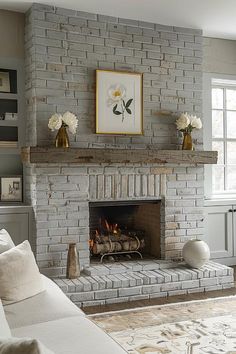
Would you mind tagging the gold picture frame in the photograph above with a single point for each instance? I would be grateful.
(119, 102)
(5, 81)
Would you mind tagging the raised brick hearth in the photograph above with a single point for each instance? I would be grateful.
(143, 280)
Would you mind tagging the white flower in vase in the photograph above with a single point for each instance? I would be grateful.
(187, 122)
(71, 121)
(183, 122)
(55, 122)
(195, 122)
(60, 123)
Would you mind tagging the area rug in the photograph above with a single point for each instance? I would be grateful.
(204, 326)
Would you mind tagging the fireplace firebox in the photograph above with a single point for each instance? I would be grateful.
(124, 229)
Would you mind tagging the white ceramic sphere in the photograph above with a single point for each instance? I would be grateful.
(196, 253)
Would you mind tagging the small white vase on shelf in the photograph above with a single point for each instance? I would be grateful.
(196, 253)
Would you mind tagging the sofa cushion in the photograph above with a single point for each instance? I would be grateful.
(49, 305)
(22, 346)
(19, 274)
(5, 241)
(71, 335)
(4, 327)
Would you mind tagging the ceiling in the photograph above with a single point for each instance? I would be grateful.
(215, 17)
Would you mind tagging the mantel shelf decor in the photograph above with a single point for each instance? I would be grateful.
(83, 156)
(61, 122)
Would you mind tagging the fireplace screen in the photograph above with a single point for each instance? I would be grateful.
(124, 230)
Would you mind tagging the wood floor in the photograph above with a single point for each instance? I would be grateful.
(161, 301)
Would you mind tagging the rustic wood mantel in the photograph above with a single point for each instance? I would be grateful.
(110, 156)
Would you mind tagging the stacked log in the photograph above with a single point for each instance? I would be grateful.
(115, 244)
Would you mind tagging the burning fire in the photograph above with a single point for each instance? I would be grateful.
(111, 228)
(91, 243)
(109, 238)
(106, 229)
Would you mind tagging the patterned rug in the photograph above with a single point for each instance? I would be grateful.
(206, 326)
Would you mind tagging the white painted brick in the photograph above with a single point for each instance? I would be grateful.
(106, 294)
(130, 291)
(171, 286)
(177, 292)
(150, 289)
(189, 284)
(208, 282)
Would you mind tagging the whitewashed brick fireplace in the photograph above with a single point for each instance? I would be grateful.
(61, 193)
(63, 49)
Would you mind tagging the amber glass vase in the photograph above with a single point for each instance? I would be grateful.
(62, 139)
(72, 270)
(187, 142)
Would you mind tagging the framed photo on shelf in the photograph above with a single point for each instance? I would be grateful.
(11, 189)
(119, 102)
(5, 81)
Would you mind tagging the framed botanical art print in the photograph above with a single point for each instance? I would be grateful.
(11, 189)
(119, 102)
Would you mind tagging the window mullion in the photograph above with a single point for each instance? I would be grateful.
(225, 140)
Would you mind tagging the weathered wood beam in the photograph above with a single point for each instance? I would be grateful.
(110, 156)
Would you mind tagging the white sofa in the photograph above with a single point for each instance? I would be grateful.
(62, 327)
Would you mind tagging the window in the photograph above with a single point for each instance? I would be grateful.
(220, 134)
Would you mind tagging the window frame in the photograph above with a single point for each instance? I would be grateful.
(207, 131)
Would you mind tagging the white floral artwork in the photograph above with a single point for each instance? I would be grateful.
(116, 98)
(119, 103)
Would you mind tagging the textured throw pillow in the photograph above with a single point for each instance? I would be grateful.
(22, 346)
(19, 274)
(5, 241)
(4, 327)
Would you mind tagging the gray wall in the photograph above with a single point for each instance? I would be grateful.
(12, 34)
(65, 47)
(219, 56)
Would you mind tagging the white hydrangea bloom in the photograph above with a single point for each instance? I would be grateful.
(195, 122)
(183, 121)
(71, 121)
(55, 122)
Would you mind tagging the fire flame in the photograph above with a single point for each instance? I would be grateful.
(91, 243)
(110, 229)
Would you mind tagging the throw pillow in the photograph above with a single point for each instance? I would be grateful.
(19, 274)
(22, 346)
(5, 241)
(4, 327)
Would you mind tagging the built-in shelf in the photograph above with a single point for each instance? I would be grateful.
(8, 123)
(12, 101)
(109, 156)
(9, 151)
(8, 96)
